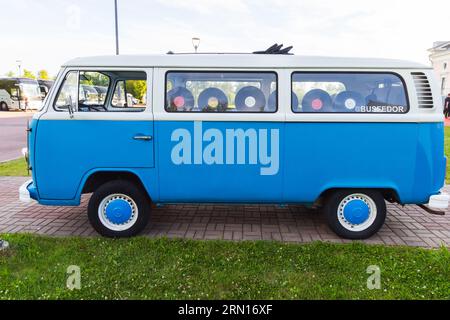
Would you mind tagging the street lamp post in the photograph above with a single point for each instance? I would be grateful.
(196, 43)
(19, 66)
(117, 27)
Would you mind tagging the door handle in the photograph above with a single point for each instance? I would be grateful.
(145, 138)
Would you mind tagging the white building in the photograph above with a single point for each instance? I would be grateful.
(440, 59)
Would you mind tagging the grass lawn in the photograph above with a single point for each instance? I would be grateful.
(139, 268)
(14, 168)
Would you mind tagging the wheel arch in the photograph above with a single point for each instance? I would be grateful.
(389, 194)
(96, 178)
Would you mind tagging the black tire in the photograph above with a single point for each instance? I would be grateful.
(337, 220)
(127, 189)
(3, 106)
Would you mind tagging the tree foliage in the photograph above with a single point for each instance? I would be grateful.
(137, 88)
(43, 74)
(28, 74)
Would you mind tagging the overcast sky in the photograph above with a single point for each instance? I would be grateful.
(46, 33)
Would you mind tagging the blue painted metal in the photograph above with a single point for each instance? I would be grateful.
(312, 157)
(356, 211)
(202, 182)
(68, 150)
(33, 191)
(118, 211)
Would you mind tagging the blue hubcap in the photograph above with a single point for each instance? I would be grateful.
(356, 211)
(118, 211)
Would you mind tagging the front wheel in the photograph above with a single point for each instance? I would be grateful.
(355, 214)
(3, 106)
(119, 209)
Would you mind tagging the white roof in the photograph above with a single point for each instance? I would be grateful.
(240, 61)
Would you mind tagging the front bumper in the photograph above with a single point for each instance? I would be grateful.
(26, 192)
(439, 201)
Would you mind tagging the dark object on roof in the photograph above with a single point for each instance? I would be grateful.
(275, 49)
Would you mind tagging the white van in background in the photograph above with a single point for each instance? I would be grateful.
(19, 94)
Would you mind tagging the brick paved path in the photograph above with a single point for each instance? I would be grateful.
(407, 225)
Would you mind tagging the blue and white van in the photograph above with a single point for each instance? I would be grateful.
(347, 134)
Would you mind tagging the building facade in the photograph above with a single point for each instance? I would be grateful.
(440, 59)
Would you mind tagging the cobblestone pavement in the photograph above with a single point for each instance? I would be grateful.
(408, 225)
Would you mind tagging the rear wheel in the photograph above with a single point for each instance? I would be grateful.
(119, 209)
(355, 214)
(3, 106)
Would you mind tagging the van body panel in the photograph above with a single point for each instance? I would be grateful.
(317, 159)
(397, 156)
(69, 149)
(228, 176)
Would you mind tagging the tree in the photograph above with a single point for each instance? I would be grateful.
(43, 74)
(28, 74)
(137, 88)
(10, 74)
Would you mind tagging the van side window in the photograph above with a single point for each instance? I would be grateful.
(68, 96)
(339, 92)
(198, 91)
(92, 85)
(101, 91)
(129, 94)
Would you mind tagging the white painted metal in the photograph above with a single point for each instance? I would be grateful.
(282, 65)
(239, 61)
(24, 194)
(439, 201)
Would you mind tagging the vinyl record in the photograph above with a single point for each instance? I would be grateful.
(294, 101)
(250, 99)
(348, 101)
(316, 100)
(212, 99)
(272, 103)
(180, 99)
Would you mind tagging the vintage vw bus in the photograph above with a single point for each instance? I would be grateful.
(239, 128)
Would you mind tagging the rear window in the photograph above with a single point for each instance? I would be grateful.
(348, 92)
(198, 91)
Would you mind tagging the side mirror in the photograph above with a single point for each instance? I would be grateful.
(70, 107)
